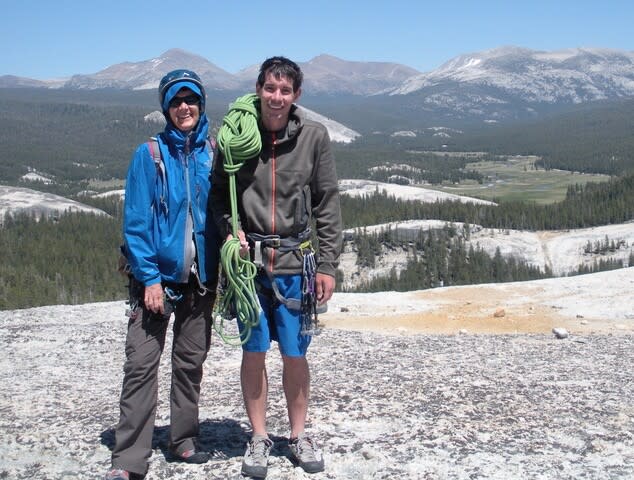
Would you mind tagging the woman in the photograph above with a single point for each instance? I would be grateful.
(172, 255)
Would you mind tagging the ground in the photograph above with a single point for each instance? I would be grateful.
(599, 303)
(417, 391)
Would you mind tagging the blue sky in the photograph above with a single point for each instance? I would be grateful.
(46, 39)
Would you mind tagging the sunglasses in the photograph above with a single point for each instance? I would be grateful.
(189, 100)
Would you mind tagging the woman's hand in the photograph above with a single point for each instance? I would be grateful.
(153, 298)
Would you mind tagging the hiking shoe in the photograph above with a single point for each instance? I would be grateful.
(191, 456)
(117, 474)
(256, 458)
(305, 453)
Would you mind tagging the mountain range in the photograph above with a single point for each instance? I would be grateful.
(494, 85)
(323, 74)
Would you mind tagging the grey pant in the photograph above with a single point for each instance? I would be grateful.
(144, 345)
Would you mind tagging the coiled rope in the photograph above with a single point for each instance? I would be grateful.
(238, 140)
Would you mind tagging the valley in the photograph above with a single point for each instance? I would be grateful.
(516, 178)
(508, 188)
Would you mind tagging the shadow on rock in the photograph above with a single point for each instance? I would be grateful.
(221, 438)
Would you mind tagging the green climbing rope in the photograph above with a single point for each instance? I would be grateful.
(238, 140)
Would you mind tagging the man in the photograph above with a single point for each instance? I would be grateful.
(172, 257)
(288, 187)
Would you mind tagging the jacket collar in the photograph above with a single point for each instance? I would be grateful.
(197, 137)
(293, 127)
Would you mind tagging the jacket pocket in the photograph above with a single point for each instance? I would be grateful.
(302, 211)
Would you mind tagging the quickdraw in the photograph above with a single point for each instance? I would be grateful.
(310, 321)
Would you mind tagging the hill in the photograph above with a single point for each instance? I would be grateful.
(598, 303)
(16, 200)
(562, 252)
(72, 139)
(40, 269)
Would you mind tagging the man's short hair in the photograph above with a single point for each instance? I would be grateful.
(281, 67)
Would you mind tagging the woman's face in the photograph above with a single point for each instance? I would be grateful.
(184, 110)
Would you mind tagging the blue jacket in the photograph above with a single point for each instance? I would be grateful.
(157, 227)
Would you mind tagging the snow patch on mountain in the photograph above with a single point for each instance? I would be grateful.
(24, 200)
(36, 177)
(572, 75)
(112, 193)
(358, 188)
(155, 117)
(338, 133)
(404, 133)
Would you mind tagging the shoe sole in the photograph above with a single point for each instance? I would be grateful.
(254, 472)
(197, 458)
(308, 468)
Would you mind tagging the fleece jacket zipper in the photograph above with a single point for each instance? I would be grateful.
(273, 194)
(189, 253)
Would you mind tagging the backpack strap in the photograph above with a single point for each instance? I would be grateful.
(155, 152)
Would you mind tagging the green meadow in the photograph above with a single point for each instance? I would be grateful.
(517, 179)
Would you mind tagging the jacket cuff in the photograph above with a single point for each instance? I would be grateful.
(148, 282)
(327, 268)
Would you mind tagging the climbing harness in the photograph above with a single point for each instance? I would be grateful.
(238, 140)
(170, 298)
(307, 304)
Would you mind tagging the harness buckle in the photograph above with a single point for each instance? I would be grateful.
(171, 295)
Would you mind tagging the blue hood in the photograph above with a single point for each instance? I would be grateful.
(173, 90)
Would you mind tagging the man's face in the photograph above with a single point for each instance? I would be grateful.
(184, 110)
(276, 97)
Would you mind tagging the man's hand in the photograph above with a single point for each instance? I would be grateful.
(153, 298)
(324, 286)
(244, 245)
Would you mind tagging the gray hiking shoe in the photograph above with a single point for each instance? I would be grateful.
(306, 454)
(256, 458)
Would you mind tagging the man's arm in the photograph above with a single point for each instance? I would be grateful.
(327, 213)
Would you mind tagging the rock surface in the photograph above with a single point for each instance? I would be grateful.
(385, 404)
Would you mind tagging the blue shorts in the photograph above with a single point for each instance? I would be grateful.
(278, 322)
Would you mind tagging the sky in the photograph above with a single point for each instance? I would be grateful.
(44, 39)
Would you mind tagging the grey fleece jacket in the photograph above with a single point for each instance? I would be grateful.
(292, 184)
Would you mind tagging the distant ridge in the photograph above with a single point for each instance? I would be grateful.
(500, 84)
(513, 82)
(148, 73)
